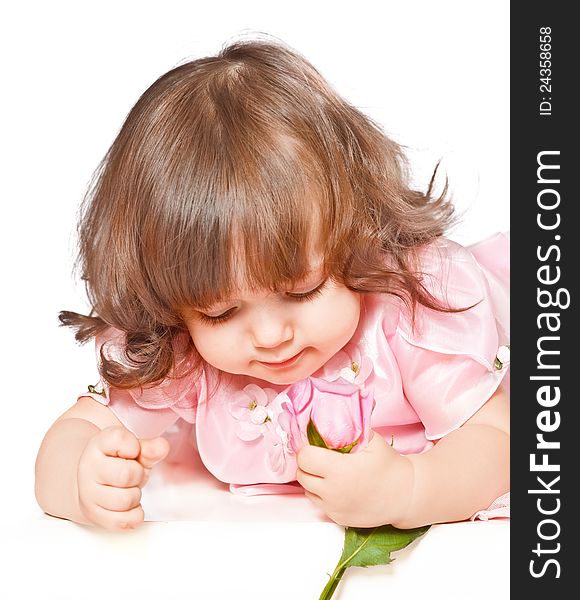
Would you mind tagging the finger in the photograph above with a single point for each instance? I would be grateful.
(118, 441)
(119, 472)
(153, 451)
(375, 442)
(116, 520)
(117, 499)
(143, 482)
(319, 461)
(316, 500)
(310, 483)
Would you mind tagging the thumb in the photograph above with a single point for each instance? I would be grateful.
(377, 441)
(153, 450)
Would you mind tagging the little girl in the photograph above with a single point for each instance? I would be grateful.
(250, 231)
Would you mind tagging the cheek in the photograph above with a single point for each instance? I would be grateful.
(211, 343)
(348, 314)
(347, 309)
(336, 319)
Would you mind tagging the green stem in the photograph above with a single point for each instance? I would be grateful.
(333, 582)
(341, 567)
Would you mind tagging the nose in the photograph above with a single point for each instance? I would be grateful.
(271, 327)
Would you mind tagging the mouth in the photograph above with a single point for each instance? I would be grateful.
(284, 363)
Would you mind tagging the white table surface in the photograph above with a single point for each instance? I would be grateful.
(201, 541)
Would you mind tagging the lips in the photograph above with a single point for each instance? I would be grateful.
(284, 363)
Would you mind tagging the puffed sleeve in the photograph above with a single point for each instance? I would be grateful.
(147, 412)
(452, 363)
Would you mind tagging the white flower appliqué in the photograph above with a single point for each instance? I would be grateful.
(349, 373)
(257, 411)
(250, 408)
(502, 358)
(348, 364)
(280, 448)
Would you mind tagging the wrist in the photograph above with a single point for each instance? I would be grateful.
(404, 483)
(57, 465)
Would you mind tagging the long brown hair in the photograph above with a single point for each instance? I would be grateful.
(228, 160)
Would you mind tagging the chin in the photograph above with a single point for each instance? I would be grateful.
(281, 379)
(292, 380)
(287, 378)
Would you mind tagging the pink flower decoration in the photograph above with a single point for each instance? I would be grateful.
(339, 410)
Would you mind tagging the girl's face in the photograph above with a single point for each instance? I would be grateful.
(277, 337)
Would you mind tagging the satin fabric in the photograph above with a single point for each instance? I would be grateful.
(427, 379)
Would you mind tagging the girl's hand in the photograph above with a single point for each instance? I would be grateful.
(112, 469)
(366, 489)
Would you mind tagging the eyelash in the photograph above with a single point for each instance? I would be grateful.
(317, 291)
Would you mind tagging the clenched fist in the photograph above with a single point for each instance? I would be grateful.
(112, 469)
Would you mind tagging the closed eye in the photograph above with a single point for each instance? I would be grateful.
(216, 320)
(302, 297)
(310, 295)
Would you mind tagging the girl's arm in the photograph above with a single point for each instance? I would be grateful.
(464, 472)
(59, 454)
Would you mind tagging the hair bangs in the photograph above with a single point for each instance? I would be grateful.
(261, 224)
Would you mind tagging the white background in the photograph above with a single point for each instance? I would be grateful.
(434, 74)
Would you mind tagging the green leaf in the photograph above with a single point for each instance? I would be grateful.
(314, 438)
(368, 547)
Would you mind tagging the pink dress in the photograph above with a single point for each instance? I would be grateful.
(426, 382)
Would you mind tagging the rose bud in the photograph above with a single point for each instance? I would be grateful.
(333, 415)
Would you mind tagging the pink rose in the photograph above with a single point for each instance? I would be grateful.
(338, 412)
